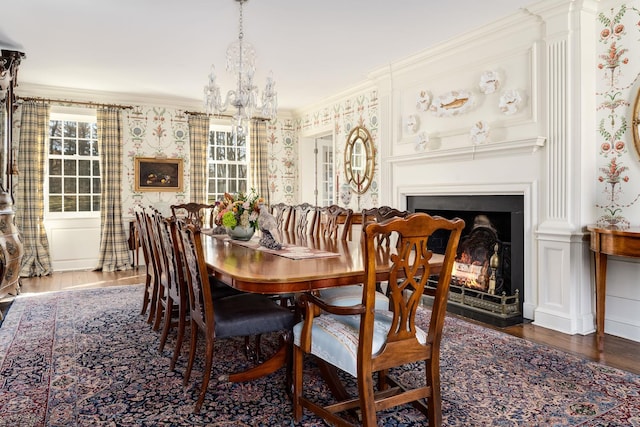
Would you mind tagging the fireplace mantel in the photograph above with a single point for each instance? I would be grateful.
(495, 148)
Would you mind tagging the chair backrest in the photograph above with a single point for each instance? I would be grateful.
(332, 218)
(305, 219)
(171, 261)
(199, 214)
(381, 214)
(200, 300)
(408, 276)
(141, 226)
(282, 214)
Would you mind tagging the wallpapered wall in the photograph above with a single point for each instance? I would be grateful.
(618, 71)
(163, 132)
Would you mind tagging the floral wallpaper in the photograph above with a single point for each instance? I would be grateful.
(618, 73)
(153, 132)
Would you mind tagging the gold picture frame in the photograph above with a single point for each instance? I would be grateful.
(158, 174)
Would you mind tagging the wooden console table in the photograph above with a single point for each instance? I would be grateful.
(609, 241)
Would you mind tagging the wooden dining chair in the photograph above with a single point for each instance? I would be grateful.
(241, 315)
(157, 255)
(148, 298)
(362, 341)
(200, 214)
(282, 214)
(335, 222)
(352, 294)
(304, 220)
(175, 301)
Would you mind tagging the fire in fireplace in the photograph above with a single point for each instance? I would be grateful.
(488, 273)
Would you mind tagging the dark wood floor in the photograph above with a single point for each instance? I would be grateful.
(618, 352)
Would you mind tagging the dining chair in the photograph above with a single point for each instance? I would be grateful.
(158, 260)
(282, 214)
(200, 214)
(352, 294)
(361, 340)
(175, 302)
(241, 315)
(148, 300)
(335, 222)
(304, 220)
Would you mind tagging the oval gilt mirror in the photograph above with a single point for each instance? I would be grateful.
(359, 159)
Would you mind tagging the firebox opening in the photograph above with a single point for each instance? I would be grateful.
(488, 276)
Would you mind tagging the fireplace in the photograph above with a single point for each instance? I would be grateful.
(488, 276)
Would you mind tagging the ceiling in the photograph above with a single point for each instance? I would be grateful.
(163, 49)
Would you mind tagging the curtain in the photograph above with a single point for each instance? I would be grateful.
(198, 143)
(32, 147)
(114, 250)
(259, 173)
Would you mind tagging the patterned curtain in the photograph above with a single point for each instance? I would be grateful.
(259, 173)
(114, 250)
(30, 203)
(198, 142)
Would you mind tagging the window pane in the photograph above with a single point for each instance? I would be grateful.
(242, 171)
(233, 187)
(222, 170)
(69, 147)
(84, 147)
(70, 185)
(55, 146)
(242, 186)
(55, 127)
(84, 130)
(55, 167)
(233, 171)
(96, 168)
(220, 151)
(84, 185)
(94, 131)
(55, 185)
(96, 203)
(231, 154)
(84, 167)
(70, 204)
(70, 167)
(96, 185)
(55, 203)
(84, 203)
(70, 129)
(242, 155)
(221, 186)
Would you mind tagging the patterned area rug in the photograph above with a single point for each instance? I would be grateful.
(88, 358)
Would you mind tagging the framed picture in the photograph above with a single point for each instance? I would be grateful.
(157, 174)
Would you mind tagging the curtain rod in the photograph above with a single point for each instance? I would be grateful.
(222, 115)
(67, 101)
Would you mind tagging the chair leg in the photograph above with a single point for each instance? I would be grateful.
(192, 352)
(206, 375)
(298, 359)
(145, 297)
(434, 400)
(154, 301)
(182, 320)
(167, 323)
(367, 401)
(159, 308)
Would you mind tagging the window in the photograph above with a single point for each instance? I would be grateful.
(73, 165)
(227, 164)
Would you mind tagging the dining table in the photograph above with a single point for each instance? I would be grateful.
(305, 263)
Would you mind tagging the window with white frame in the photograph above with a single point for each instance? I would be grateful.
(73, 167)
(227, 164)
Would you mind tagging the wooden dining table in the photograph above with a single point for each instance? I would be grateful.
(323, 263)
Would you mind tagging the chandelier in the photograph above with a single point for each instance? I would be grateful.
(243, 101)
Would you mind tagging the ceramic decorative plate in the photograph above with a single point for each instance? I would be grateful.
(510, 102)
(479, 132)
(424, 101)
(489, 82)
(453, 103)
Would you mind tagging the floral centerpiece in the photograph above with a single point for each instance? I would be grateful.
(239, 211)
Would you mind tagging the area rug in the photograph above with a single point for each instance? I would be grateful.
(88, 358)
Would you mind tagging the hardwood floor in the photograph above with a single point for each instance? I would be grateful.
(618, 352)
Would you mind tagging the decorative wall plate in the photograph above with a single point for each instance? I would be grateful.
(424, 101)
(422, 141)
(489, 82)
(412, 124)
(453, 103)
(510, 102)
(479, 132)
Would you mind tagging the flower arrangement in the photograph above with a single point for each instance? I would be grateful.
(241, 209)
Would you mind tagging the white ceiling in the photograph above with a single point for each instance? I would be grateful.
(164, 48)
